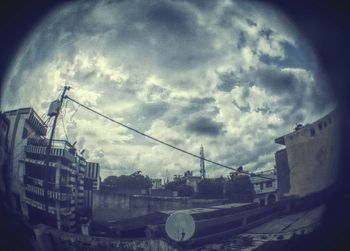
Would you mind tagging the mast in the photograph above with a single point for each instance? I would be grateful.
(54, 111)
(202, 166)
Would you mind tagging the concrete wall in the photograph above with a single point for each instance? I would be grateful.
(50, 239)
(283, 173)
(113, 206)
(312, 156)
(16, 144)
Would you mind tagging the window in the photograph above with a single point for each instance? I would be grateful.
(269, 184)
(320, 126)
(261, 186)
(312, 132)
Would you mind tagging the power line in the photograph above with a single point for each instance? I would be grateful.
(158, 140)
(62, 116)
(64, 129)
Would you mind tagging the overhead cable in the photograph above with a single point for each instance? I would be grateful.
(160, 141)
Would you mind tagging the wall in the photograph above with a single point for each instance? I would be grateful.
(113, 206)
(16, 144)
(50, 239)
(283, 173)
(312, 156)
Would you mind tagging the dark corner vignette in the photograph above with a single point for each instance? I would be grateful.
(323, 23)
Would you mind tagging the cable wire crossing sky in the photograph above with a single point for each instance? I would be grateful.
(229, 75)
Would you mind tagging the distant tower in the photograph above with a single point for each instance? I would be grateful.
(202, 167)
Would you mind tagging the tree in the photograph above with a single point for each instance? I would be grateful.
(134, 181)
(239, 189)
(174, 185)
(211, 188)
(185, 190)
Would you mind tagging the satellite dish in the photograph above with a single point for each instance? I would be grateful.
(180, 226)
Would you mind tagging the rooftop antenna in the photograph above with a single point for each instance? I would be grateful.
(202, 166)
(54, 111)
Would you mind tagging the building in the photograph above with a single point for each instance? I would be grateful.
(59, 194)
(156, 183)
(51, 192)
(265, 187)
(191, 180)
(308, 163)
(23, 123)
(91, 184)
(4, 154)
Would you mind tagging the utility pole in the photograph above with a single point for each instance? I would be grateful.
(54, 111)
(202, 165)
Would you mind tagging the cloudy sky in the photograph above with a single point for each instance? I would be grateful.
(230, 75)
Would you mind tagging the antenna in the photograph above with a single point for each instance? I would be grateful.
(202, 167)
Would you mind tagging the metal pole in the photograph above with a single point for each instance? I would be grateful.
(47, 154)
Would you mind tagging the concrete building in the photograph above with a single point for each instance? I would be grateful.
(156, 183)
(62, 182)
(24, 123)
(4, 154)
(91, 184)
(265, 188)
(308, 163)
(59, 194)
(193, 181)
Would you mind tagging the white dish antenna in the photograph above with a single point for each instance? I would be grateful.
(180, 226)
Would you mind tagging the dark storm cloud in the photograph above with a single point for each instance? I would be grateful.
(242, 40)
(266, 33)
(227, 81)
(205, 126)
(251, 23)
(167, 28)
(202, 101)
(154, 110)
(200, 104)
(205, 5)
(169, 17)
(295, 57)
(277, 81)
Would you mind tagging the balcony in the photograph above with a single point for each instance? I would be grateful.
(64, 188)
(52, 194)
(33, 181)
(39, 148)
(51, 164)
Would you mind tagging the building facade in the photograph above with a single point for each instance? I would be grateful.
(55, 187)
(4, 154)
(265, 187)
(91, 184)
(156, 183)
(50, 191)
(24, 123)
(308, 163)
